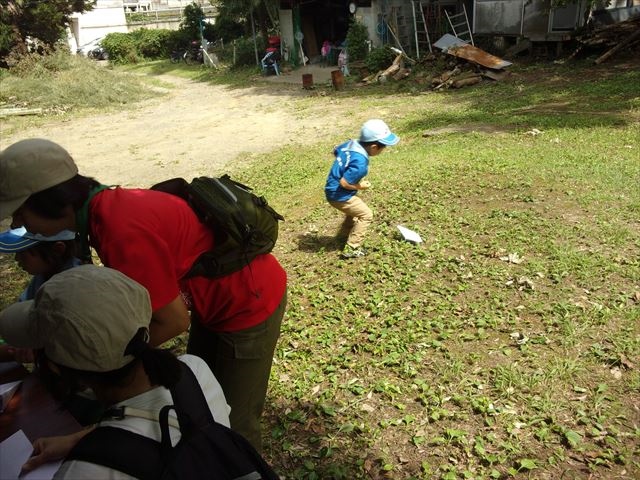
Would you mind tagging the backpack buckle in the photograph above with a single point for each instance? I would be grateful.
(115, 413)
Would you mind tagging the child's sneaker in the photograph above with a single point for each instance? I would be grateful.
(353, 252)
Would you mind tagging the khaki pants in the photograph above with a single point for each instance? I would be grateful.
(241, 361)
(359, 216)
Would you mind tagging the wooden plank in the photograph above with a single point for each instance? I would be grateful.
(6, 112)
(464, 82)
(479, 56)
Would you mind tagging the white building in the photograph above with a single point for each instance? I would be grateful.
(109, 16)
(106, 17)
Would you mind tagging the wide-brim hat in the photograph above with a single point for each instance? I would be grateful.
(31, 166)
(84, 318)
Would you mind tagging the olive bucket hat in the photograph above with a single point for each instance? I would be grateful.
(30, 166)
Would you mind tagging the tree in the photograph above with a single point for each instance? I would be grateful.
(43, 21)
(192, 18)
(265, 14)
(357, 38)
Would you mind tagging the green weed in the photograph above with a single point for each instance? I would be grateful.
(505, 345)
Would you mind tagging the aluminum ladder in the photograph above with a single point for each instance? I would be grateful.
(460, 28)
(420, 29)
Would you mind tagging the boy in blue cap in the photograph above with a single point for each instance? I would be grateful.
(41, 257)
(346, 177)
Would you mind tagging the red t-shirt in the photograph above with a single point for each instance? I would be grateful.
(154, 238)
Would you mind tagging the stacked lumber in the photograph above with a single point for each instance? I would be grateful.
(610, 39)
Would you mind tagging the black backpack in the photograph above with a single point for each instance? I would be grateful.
(206, 449)
(243, 223)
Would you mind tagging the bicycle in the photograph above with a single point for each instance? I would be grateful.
(190, 56)
(176, 56)
(193, 56)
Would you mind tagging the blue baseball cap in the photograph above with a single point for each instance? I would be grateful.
(377, 131)
(18, 239)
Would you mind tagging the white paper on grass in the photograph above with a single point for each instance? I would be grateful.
(16, 450)
(6, 392)
(409, 235)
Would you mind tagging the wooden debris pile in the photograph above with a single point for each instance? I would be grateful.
(610, 39)
(460, 73)
(455, 68)
(456, 78)
(396, 71)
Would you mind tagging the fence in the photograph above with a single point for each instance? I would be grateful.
(166, 15)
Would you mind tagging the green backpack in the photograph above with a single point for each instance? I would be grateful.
(244, 225)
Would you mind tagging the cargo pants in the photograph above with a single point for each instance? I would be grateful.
(241, 361)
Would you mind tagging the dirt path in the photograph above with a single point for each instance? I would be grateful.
(192, 129)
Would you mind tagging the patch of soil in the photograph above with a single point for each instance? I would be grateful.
(193, 129)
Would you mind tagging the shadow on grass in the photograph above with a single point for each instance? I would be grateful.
(319, 243)
(568, 103)
(318, 442)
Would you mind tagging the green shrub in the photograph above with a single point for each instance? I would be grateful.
(177, 40)
(157, 43)
(120, 47)
(245, 51)
(143, 43)
(152, 43)
(357, 40)
(379, 58)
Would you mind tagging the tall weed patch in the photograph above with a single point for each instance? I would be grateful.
(43, 81)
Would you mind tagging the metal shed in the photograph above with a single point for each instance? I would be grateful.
(534, 20)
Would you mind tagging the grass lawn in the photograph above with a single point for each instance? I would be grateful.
(507, 344)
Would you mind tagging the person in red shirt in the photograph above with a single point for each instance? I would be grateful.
(154, 238)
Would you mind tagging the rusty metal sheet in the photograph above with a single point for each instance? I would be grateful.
(476, 55)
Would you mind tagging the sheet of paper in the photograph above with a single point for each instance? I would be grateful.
(6, 392)
(14, 451)
(409, 235)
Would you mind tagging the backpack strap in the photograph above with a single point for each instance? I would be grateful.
(121, 450)
(189, 402)
(82, 223)
(119, 413)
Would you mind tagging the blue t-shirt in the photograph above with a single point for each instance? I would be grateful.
(352, 163)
